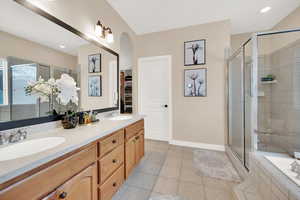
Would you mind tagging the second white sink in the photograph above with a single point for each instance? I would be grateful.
(121, 117)
(29, 147)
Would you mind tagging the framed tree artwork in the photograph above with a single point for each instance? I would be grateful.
(94, 63)
(194, 52)
(195, 82)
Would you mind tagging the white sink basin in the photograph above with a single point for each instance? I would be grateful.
(121, 117)
(29, 147)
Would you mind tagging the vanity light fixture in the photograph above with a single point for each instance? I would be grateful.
(104, 32)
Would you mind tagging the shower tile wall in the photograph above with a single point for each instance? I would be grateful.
(279, 109)
(264, 103)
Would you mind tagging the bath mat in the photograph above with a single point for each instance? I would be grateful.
(215, 164)
(167, 197)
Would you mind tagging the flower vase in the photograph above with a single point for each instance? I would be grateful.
(69, 121)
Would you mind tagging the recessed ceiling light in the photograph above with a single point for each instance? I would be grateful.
(265, 9)
(62, 46)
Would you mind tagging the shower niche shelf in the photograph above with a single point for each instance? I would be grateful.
(268, 82)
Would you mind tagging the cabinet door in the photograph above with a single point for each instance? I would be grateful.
(139, 147)
(142, 145)
(83, 186)
(130, 159)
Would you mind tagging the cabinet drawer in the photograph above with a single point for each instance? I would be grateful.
(111, 162)
(45, 181)
(111, 142)
(111, 186)
(133, 129)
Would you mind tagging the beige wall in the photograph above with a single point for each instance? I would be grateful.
(289, 22)
(237, 40)
(88, 102)
(25, 49)
(195, 119)
(292, 21)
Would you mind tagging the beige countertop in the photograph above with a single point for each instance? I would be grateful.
(75, 138)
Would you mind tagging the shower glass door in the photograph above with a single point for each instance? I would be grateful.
(236, 104)
(248, 66)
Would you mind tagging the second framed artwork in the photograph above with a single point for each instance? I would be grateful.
(195, 82)
(95, 86)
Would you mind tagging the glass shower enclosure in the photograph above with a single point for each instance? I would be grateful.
(264, 95)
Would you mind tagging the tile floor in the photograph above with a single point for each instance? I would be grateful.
(169, 170)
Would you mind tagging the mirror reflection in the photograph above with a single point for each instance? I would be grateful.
(34, 48)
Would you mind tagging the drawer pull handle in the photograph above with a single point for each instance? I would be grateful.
(114, 160)
(114, 141)
(114, 184)
(63, 195)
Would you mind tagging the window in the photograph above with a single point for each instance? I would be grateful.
(3, 82)
(20, 76)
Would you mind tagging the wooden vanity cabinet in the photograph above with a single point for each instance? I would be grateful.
(37, 185)
(110, 163)
(139, 146)
(130, 159)
(112, 185)
(134, 147)
(82, 186)
(93, 172)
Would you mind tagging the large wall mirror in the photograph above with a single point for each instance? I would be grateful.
(33, 45)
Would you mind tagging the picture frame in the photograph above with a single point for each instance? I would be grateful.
(195, 82)
(95, 86)
(195, 52)
(94, 63)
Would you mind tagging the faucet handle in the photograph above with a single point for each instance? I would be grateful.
(4, 138)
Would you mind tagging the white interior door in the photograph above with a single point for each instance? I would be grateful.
(154, 94)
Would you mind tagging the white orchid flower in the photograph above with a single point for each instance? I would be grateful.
(66, 86)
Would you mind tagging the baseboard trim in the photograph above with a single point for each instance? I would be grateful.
(198, 145)
(156, 138)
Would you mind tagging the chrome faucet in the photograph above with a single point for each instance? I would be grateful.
(16, 136)
(295, 167)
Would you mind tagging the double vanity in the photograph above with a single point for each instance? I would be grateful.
(91, 162)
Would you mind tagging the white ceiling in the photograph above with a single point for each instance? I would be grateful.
(21, 22)
(146, 16)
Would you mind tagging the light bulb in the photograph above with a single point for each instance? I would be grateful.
(266, 9)
(99, 29)
(110, 37)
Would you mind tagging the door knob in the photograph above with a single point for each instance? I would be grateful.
(63, 195)
(165, 105)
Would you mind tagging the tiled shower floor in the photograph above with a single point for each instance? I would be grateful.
(169, 170)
